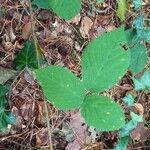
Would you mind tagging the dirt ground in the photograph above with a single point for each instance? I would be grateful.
(62, 43)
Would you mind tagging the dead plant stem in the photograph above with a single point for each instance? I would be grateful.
(38, 60)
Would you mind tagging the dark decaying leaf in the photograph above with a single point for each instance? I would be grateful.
(29, 56)
(6, 117)
(6, 74)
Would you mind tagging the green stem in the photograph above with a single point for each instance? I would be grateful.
(33, 33)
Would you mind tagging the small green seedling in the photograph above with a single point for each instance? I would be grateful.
(104, 62)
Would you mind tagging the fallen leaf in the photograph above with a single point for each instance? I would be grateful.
(42, 138)
(28, 76)
(27, 111)
(122, 9)
(86, 25)
(26, 30)
(80, 129)
(139, 108)
(140, 132)
(41, 112)
(6, 74)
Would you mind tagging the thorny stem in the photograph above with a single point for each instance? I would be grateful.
(38, 60)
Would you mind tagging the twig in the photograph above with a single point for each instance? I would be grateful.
(48, 126)
(38, 60)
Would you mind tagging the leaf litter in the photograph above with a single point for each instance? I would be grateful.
(57, 40)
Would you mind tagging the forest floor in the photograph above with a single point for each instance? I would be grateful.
(62, 43)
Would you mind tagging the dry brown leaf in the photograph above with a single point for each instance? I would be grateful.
(110, 28)
(41, 112)
(139, 108)
(86, 25)
(26, 30)
(29, 77)
(140, 132)
(42, 138)
(80, 129)
(27, 111)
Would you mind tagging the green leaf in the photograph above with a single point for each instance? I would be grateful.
(137, 3)
(3, 123)
(143, 82)
(122, 9)
(101, 60)
(143, 35)
(136, 118)
(145, 79)
(3, 101)
(3, 90)
(10, 118)
(102, 113)
(6, 74)
(138, 85)
(122, 145)
(45, 4)
(66, 9)
(138, 58)
(128, 127)
(6, 117)
(61, 87)
(129, 100)
(130, 35)
(138, 23)
(28, 57)
(99, 1)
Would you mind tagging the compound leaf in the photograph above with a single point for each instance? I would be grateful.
(61, 87)
(102, 113)
(138, 58)
(101, 60)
